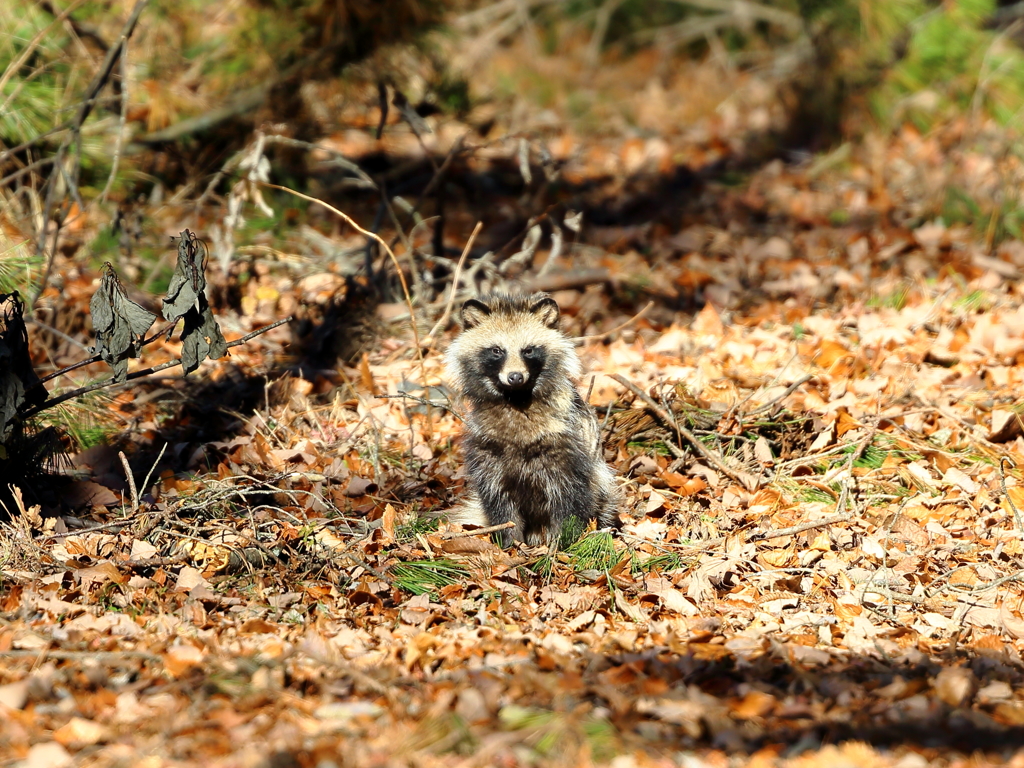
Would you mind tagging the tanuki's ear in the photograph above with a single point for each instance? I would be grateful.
(546, 309)
(473, 313)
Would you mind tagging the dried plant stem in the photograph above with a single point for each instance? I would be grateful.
(431, 337)
(131, 481)
(367, 233)
(97, 358)
(391, 254)
(617, 328)
(841, 517)
(786, 393)
(75, 137)
(119, 144)
(145, 483)
(118, 524)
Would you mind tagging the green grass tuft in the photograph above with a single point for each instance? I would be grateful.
(874, 455)
(422, 577)
(595, 551)
(666, 561)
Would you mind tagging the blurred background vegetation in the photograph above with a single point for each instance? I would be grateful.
(198, 78)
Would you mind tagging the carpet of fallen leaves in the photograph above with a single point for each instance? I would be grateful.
(816, 423)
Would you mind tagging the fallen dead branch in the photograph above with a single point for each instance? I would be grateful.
(792, 530)
(745, 479)
(486, 531)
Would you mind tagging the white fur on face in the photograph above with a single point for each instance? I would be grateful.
(511, 333)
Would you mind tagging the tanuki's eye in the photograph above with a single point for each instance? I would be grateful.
(529, 352)
(497, 352)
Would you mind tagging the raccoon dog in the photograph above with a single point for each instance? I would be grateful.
(532, 445)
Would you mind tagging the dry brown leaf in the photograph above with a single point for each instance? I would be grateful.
(78, 733)
(181, 658)
(955, 685)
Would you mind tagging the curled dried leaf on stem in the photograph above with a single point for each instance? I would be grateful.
(118, 322)
(139, 374)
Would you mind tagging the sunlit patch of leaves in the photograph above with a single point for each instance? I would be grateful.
(423, 577)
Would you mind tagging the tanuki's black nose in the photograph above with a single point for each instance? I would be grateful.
(516, 379)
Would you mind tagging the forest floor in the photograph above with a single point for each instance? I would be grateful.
(810, 389)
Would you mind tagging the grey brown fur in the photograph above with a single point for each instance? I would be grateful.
(532, 445)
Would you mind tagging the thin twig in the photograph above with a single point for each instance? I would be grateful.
(56, 332)
(801, 527)
(13, 176)
(153, 562)
(840, 517)
(478, 532)
(380, 241)
(97, 84)
(788, 391)
(145, 483)
(131, 481)
(91, 529)
(97, 358)
(119, 143)
(422, 401)
(616, 329)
